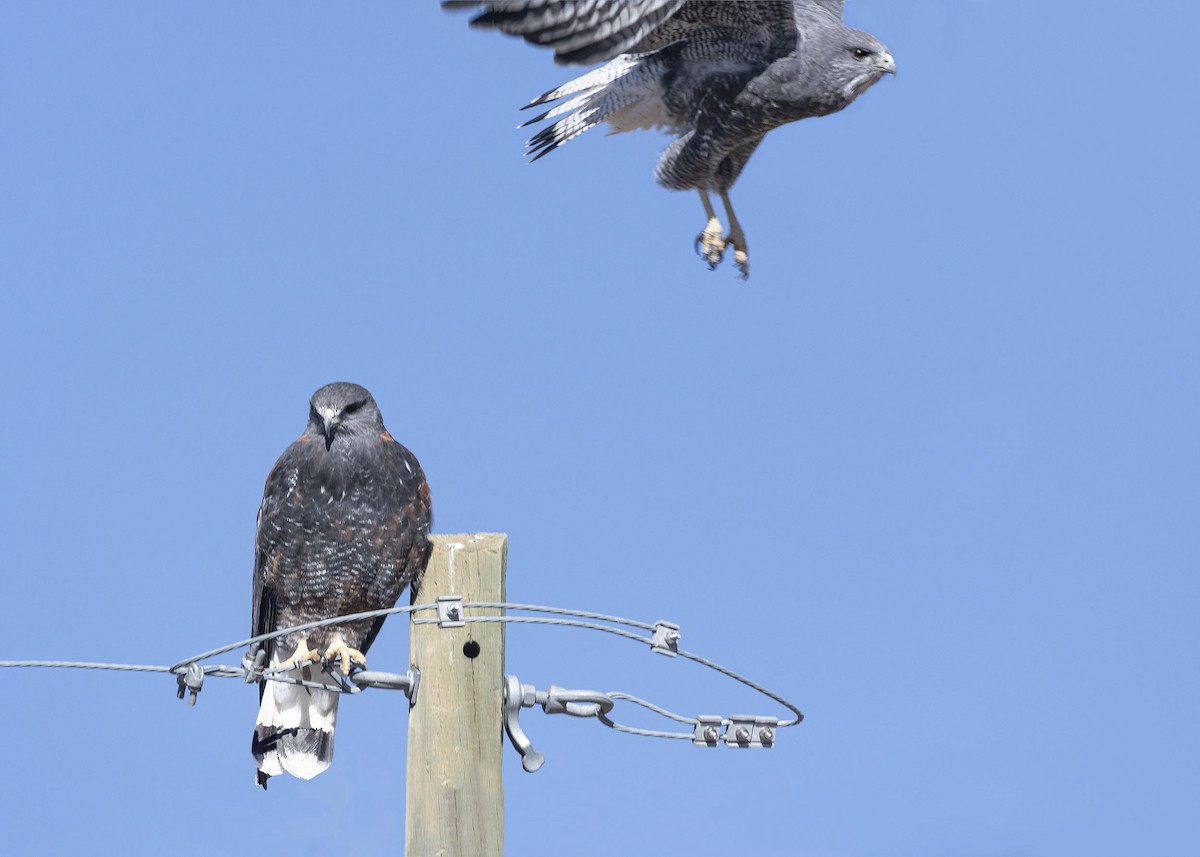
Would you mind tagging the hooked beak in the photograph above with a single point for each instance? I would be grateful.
(886, 64)
(330, 421)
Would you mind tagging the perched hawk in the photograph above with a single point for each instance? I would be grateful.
(343, 528)
(718, 75)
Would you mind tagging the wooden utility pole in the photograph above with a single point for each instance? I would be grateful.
(455, 797)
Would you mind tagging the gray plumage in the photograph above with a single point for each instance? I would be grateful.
(717, 75)
(343, 528)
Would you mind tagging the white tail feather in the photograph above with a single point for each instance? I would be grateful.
(294, 729)
(594, 79)
(627, 93)
(290, 706)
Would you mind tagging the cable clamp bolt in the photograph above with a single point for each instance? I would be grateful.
(746, 730)
(449, 611)
(666, 638)
(708, 730)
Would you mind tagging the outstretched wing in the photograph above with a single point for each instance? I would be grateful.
(580, 32)
(591, 31)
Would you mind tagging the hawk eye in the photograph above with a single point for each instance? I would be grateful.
(861, 53)
(351, 408)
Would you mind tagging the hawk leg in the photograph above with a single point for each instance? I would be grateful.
(302, 656)
(710, 245)
(736, 239)
(346, 655)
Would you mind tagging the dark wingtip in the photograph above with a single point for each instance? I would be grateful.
(541, 144)
(544, 137)
(541, 99)
(535, 119)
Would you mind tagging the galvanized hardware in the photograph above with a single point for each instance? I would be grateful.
(253, 662)
(746, 730)
(407, 682)
(666, 638)
(516, 697)
(191, 681)
(577, 703)
(708, 730)
(449, 611)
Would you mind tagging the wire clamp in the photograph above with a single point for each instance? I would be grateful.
(191, 681)
(666, 638)
(450, 611)
(708, 730)
(746, 730)
(253, 663)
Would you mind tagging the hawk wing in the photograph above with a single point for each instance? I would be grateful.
(582, 32)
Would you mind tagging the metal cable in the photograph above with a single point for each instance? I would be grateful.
(620, 633)
(536, 620)
(580, 614)
(637, 730)
(752, 685)
(84, 665)
(189, 671)
(308, 626)
(628, 697)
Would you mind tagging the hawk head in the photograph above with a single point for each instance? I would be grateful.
(857, 60)
(831, 67)
(343, 410)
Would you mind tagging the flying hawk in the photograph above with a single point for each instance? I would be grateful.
(717, 75)
(343, 528)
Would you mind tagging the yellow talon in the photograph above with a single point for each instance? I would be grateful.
(712, 244)
(338, 649)
(737, 239)
(303, 655)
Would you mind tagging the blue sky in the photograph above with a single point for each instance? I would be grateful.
(931, 473)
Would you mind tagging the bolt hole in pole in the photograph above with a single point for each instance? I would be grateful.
(471, 649)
